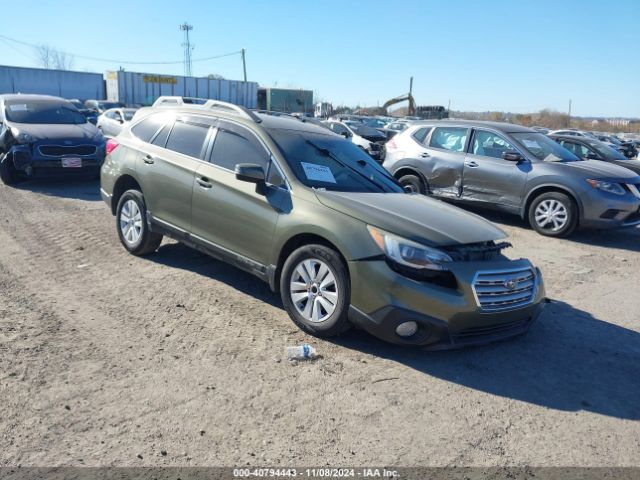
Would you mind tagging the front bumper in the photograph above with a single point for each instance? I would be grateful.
(448, 318)
(606, 210)
(28, 160)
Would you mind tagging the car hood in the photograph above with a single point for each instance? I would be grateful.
(83, 131)
(633, 165)
(599, 170)
(419, 218)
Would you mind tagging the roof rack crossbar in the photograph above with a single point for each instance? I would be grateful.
(168, 101)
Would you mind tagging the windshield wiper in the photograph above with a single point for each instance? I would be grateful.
(326, 151)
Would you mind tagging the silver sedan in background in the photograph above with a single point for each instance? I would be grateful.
(113, 120)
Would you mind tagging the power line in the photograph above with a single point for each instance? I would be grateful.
(122, 62)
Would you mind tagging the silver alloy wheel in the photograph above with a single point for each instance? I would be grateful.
(551, 212)
(314, 290)
(131, 222)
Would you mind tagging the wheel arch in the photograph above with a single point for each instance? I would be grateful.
(125, 182)
(295, 242)
(540, 189)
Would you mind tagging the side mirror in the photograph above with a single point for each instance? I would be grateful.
(512, 156)
(345, 134)
(249, 172)
(592, 156)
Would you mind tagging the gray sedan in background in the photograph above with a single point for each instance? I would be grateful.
(113, 120)
(514, 169)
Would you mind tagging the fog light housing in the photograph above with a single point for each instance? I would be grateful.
(407, 329)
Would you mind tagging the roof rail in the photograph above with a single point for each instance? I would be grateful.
(230, 107)
(168, 100)
(173, 101)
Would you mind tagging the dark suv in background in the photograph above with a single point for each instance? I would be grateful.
(44, 135)
(514, 169)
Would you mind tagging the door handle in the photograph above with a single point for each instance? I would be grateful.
(472, 164)
(149, 160)
(204, 182)
(425, 155)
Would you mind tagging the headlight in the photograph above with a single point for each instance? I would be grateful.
(608, 187)
(408, 253)
(22, 137)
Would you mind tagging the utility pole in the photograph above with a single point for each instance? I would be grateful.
(569, 119)
(186, 28)
(244, 65)
(410, 85)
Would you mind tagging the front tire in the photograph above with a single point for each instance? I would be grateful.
(132, 226)
(316, 291)
(8, 173)
(553, 214)
(413, 182)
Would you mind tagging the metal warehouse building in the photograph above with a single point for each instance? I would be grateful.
(285, 100)
(60, 83)
(134, 88)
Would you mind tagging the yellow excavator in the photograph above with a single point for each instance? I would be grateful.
(411, 110)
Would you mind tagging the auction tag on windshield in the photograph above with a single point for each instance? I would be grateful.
(321, 173)
(18, 107)
(530, 143)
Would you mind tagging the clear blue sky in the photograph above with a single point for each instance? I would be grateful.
(515, 55)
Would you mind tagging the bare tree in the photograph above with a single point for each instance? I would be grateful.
(215, 76)
(48, 57)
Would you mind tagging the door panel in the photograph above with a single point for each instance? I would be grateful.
(232, 214)
(238, 216)
(488, 178)
(168, 174)
(443, 160)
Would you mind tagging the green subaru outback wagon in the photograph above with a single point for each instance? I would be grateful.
(318, 219)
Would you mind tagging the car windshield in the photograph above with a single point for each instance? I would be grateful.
(543, 148)
(332, 163)
(43, 112)
(108, 105)
(128, 114)
(607, 152)
(375, 122)
(363, 130)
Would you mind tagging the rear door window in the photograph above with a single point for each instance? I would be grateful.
(453, 139)
(187, 138)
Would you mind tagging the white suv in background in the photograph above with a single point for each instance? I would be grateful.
(369, 139)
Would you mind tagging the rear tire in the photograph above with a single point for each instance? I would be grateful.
(8, 173)
(132, 226)
(316, 291)
(553, 214)
(414, 182)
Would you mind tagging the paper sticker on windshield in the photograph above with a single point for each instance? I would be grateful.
(18, 107)
(530, 143)
(319, 173)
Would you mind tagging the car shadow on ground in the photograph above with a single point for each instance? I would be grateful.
(568, 361)
(80, 188)
(618, 238)
(177, 255)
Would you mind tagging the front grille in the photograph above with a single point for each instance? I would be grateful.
(476, 252)
(61, 150)
(634, 189)
(504, 290)
(472, 333)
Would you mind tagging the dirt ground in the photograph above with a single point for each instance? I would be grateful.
(177, 359)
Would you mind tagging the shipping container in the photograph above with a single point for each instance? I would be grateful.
(60, 83)
(133, 88)
(286, 100)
